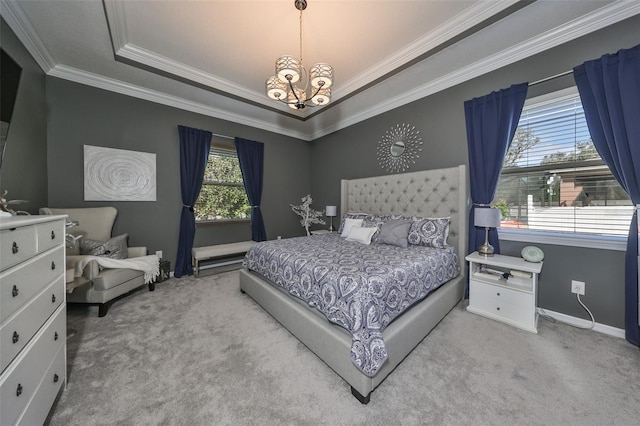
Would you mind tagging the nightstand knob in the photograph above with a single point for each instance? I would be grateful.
(498, 308)
(14, 291)
(14, 248)
(19, 390)
(16, 337)
(498, 294)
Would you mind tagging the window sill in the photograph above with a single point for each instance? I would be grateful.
(221, 222)
(573, 240)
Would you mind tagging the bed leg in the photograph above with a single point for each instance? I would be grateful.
(359, 397)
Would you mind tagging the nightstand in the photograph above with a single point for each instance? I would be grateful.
(511, 300)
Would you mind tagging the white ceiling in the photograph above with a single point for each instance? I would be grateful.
(213, 57)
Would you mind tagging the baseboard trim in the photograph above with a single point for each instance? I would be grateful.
(579, 322)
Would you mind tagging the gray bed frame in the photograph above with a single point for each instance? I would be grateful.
(431, 193)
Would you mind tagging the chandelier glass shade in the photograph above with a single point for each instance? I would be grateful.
(286, 85)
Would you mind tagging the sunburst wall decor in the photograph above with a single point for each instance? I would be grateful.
(399, 147)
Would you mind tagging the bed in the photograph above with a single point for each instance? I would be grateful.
(433, 193)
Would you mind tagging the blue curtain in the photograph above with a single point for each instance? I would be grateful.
(194, 154)
(491, 123)
(251, 156)
(610, 92)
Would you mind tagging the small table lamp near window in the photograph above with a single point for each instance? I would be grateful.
(486, 218)
(331, 211)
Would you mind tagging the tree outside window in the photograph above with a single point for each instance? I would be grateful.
(222, 196)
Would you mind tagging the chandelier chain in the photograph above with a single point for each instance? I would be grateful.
(301, 60)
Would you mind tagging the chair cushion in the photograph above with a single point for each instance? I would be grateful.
(110, 278)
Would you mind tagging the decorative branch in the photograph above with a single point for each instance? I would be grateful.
(309, 216)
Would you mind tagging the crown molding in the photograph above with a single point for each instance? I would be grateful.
(460, 23)
(28, 36)
(584, 25)
(153, 60)
(117, 86)
(116, 21)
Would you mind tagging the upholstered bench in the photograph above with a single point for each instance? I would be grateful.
(218, 252)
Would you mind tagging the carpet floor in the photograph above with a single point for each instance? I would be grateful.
(199, 352)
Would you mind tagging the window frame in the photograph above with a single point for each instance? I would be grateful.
(208, 222)
(603, 242)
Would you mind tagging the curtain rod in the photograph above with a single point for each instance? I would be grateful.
(223, 136)
(553, 77)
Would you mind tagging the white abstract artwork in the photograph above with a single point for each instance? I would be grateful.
(118, 175)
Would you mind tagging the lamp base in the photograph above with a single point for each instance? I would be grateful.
(331, 226)
(486, 249)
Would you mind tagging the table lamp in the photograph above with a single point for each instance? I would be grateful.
(486, 218)
(331, 211)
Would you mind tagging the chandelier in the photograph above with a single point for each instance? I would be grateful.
(286, 85)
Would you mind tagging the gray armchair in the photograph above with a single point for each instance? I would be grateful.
(96, 286)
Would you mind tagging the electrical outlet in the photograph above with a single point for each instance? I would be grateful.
(159, 254)
(577, 287)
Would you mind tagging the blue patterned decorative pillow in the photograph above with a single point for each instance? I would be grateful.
(395, 233)
(115, 248)
(430, 232)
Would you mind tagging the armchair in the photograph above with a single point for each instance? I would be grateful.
(95, 285)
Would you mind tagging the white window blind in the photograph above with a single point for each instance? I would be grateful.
(553, 179)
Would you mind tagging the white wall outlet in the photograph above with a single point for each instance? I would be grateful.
(159, 254)
(577, 287)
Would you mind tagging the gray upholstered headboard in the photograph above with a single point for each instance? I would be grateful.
(429, 193)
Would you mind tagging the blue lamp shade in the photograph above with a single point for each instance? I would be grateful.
(487, 218)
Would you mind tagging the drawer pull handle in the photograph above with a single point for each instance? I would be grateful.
(53, 298)
(19, 390)
(55, 336)
(498, 308)
(15, 291)
(53, 235)
(16, 337)
(498, 294)
(53, 265)
(14, 248)
(55, 378)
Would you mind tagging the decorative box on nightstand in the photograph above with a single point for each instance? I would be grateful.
(512, 299)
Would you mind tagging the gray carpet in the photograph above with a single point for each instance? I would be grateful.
(198, 352)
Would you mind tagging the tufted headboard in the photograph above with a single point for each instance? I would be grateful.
(429, 193)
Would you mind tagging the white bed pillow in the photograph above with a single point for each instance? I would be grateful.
(349, 224)
(361, 235)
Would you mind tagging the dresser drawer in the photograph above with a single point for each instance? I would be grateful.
(21, 381)
(17, 331)
(18, 285)
(17, 245)
(39, 407)
(50, 234)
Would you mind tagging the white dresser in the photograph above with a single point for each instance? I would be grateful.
(512, 300)
(32, 317)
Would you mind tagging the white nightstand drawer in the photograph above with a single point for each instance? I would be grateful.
(17, 245)
(499, 294)
(21, 381)
(18, 285)
(502, 310)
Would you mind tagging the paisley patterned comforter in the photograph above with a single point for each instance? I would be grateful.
(360, 287)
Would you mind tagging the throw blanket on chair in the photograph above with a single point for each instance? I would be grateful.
(150, 264)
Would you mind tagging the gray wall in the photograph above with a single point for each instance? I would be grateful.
(24, 168)
(81, 115)
(351, 153)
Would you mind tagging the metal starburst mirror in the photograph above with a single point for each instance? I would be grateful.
(399, 147)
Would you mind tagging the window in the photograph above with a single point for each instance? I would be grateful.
(553, 179)
(222, 196)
